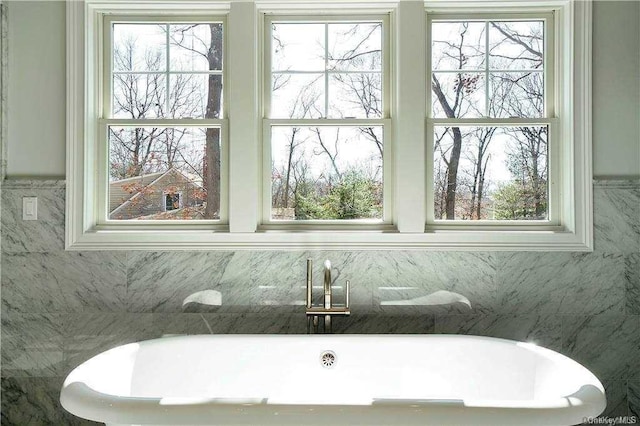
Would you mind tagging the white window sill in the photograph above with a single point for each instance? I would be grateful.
(516, 240)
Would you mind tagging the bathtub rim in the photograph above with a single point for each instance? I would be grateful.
(80, 399)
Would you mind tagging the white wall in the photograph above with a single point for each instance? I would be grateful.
(36, 142)
(616, 88)
(36, 103)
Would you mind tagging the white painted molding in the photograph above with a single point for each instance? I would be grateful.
(83, 233)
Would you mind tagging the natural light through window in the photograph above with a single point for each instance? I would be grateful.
(490, 119)
(329, 125)
(164, 149)
(326, 127)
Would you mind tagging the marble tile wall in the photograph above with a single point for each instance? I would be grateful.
(60, 308)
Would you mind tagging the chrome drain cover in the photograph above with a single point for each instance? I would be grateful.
(328, 359)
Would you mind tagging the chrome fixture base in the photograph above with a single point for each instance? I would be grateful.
(327, 310)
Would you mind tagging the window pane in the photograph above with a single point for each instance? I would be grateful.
(139, 47)
(297, 96)
(491, 173)
(164, 173)
(195, 96)
(297, 47)
(356, 46)
(458, 45)
(196, 47)
(139, 96)
(355, 95)
(458, 95)
(516, 45)
(517, 95)
(326, 172)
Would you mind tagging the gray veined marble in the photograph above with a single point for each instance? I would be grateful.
(276, 281)
(384, 324)
(561, 283)
(608, 345)
(419, 276)
(633, 396)
(543, 330)
(43, 235)
(33, 401)
(632, 275)
(32, 345)
(63, 282)
(161, 281)
(87, 335)
(228, 323)
(617, 217)
(617, 403)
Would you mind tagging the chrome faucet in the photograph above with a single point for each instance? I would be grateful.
(327, 310)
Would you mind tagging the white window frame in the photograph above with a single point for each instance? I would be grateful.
(554, 221)
(408, 92)
(386, 223)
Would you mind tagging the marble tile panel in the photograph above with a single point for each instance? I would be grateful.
(262, 281)
(87, 335)
(632, 275)
(446, 282)
(633, 395)
(617, 217)
(561, 283)
(32, 345)
(388, 324)
(608, 345)
(543, 330)
(59, 282)
(31, 236)
(617, 404)
(268, 281)
(34, 401)
(161, 281)
(354, 266)
(247, 323)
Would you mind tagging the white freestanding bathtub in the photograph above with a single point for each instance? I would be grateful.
(332, 380)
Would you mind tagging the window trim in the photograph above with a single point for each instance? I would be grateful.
(407, 26)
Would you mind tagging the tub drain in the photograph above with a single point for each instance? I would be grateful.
(327, 359)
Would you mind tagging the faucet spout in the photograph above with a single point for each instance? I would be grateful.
(327, 284)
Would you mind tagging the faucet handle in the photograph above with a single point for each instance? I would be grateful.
(309, 282)
(347, 291)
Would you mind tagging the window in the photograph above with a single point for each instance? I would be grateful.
(163, 95)
(326, 132)
(491, 117)
(329, 125)
(172, 201)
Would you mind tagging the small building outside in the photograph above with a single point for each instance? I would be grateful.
(167, 195)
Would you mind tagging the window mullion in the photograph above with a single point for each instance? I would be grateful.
(487, 100)
(244, 195)
(409, 125)
(326, 70)
(166, 71)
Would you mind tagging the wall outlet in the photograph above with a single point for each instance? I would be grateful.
(29, 208)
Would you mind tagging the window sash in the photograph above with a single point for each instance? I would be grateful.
(269, 20)
(103, 175)
(553, 222)
(265, 221)
(106, 75)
